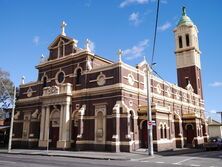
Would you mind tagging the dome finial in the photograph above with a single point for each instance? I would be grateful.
(184, 11)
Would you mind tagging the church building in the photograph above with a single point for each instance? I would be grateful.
(82, 101)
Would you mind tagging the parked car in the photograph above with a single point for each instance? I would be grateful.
(214, 143)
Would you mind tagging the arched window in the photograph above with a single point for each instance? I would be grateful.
(44, 84)
(60, 77)
(131, 122)
(165, 131)
(180, 42)
(161, 131)
(61, 49)
(78, 76)
(187, 40)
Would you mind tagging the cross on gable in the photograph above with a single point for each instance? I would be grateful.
(63, 25)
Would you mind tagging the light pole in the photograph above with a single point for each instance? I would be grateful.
(220, 112)
(149, 113)
(12, 120)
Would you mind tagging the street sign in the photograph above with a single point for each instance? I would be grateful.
(151, 123)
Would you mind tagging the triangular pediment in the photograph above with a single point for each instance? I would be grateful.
(63, 38)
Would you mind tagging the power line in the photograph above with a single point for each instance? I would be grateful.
(155, 31)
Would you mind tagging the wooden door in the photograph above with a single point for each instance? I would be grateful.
(144, 135)
(190, 134)
(54, 136)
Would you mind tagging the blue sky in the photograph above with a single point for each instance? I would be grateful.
(28, 27)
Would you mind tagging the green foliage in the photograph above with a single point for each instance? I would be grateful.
(6, 88)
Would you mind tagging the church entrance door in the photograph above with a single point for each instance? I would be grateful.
(54, 128)
(190, 134)
(54, 136)
(144, 135)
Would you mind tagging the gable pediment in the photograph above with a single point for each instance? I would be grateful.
(66, 40)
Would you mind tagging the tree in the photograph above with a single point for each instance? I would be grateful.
(6, 89)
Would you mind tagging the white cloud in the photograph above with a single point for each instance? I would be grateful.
(36, 40)
(128, 2)
(136, 51)
(216, 84)
(134, 18)
(165, 26)
(92, 46)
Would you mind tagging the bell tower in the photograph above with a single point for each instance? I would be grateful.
(188, 54)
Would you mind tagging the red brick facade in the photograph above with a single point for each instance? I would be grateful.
(82, 101)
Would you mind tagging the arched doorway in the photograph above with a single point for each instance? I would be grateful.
(75, 129)
(54, 128)
(190, 134)
(144, 143)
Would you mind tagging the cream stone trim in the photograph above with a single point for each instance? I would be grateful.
(30, 84)
(161, 109)
(77, 68)
(124, 143)
(18, 121)
(70, 40)
(35, 114)
(16, 115)
(117, 86)
(66, 66)
(163, 141)
(178, 102)
(122, 86)
(56, 77)
(28, 99)
(98, 132)
(80, 53)
(101, 79)
(30, 140)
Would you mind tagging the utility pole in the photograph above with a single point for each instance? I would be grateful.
(149, 113)
(220, 112)
(12, 120)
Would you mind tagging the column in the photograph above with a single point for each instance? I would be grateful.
(64, 129)
(116, 129)
(61, 122)
(65, 125)
(46, 134)
(44, 127)
(42, 123)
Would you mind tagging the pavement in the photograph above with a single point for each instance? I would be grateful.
(133, 156)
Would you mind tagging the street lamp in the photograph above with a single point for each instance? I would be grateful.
(12, 120)
(149, 113)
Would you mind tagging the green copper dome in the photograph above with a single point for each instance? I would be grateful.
(184, 20)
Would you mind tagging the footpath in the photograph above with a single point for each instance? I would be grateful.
(136, 155)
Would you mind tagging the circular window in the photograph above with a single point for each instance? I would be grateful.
(101, 79)
(61, 77)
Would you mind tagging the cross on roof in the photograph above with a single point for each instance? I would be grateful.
(63, 25)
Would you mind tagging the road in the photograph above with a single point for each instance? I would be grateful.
(203, 159)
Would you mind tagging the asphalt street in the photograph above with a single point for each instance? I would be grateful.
(203, 159)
